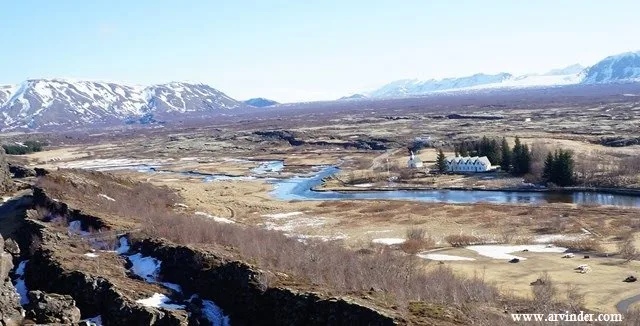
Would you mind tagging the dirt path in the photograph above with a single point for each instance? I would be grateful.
(381, 159)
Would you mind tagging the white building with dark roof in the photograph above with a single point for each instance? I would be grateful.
(468, 164)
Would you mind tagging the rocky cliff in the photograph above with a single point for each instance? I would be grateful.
(5, 175)
(10, 310)
(103, 284)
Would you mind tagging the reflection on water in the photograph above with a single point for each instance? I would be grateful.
(300, 189)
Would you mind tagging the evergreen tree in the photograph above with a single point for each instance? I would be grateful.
(505, 163)
(549, 167)
(494, 154)
(558, 168)
(441, 161)
(521, 158)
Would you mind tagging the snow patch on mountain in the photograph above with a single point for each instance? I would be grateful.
(62, 102)
(621, 68)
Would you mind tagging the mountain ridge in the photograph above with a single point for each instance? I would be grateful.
(620, 68)
(37, 103)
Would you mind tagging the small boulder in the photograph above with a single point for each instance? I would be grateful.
(514, 260)
(52, 308)
(586, 256)
(11, 246)
(568, 255)
(630, 279)
(537, 282)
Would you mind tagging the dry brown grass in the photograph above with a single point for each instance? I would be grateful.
(463, 240)
(326, 264)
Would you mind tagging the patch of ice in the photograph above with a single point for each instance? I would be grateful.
(389, 241)
(214, 314)
(268, 167)
(124, 246)
(503, 251)
(282, 215)
(216, 218)
(106, 197)
(75, 228)
(21, 287)
(145, 267)
(291, 225)
(443, 257)
(325, 238)
(549, 238)
(158, 300)
(91, 255)
(172, 286)
(97, 320)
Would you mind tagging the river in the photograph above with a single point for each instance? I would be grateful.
(300, 188)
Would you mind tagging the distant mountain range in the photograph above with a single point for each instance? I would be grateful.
(260, 102)
(38, 104)
(621, 68)
(41, 103)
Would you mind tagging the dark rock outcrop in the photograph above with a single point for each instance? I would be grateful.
(11, 246)
(94, 295)
(52, 308)
(10, 310)
(6, 184)
(19, 171)
(294, 140)
(242, 292)
(620, 141)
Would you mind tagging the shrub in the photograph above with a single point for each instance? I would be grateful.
(583, 244)
(462, 240)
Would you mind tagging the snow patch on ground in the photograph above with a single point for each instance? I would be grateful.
(377, 231)
(145, 267)
(21, 287)
(149, 268)
(443, 257)
(268, 167)
(212, 313)
(158, 300)
(363, 185)
(112, 164)
(124, 246)
(91, 255)
(75, 228)
(106, 197)
(282, 215)
(389, 241)
(549, 238)
(504, 251)
(216, 218)
(97, 320)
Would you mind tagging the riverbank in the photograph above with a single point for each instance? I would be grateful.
(559, 190)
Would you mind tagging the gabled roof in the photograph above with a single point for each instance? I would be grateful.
(468, 160)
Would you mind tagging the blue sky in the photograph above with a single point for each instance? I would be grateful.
(305, 50)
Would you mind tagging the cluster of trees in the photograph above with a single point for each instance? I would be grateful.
(27, 147)
(558, 168)
(516, 160)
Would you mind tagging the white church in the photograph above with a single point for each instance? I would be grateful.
(468, 164)
(414, 161)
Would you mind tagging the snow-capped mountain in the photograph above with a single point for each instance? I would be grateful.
(260, 102)
(621, 68)
(55, 102)
(352, 97)
(413, 87)
(624, 67)
(408, 87)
